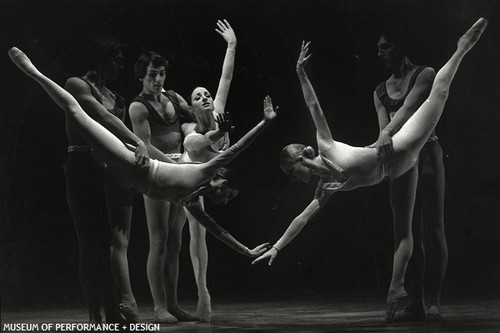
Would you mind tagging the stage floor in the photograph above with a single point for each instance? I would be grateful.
(294, 316)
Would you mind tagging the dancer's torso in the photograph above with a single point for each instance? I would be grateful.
(393, 92)
(164, 122)
(114, 104)
(202, 154)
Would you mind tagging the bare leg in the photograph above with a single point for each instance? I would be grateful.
(415, 132)
(109, 147)
(199, 258)
(176, 222)
(157, 214)
(402, 194)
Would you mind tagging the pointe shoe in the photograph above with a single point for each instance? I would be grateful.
(392, 306)
(204, 308)
(469, 39)
(130, 312)
(433, 314)
(22, 61)
(183, 315)
(162, 316)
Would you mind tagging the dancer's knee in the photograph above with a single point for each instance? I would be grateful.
(440, 89)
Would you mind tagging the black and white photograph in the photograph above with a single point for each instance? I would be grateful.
(250, 166)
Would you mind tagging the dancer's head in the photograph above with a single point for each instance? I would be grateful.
(201, 101)
(293, 161)
(105, 55)
(151, 69)
(224, 187)
(391, 47)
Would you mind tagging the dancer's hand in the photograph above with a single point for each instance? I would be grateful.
(224, 29)
(385, 148)
(269, 113)
(225, 122)
(258, 250)
(271, 254)
(304, 56)
(141, 153)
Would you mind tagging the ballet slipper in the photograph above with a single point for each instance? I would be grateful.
(469, 39)
(183, 315)
(433, 314)
(162, 316)
(392, 306)
(130, 312)
(22, 61)
(204, 308)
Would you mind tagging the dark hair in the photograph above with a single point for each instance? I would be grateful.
(398, 36)
(100, 49)
(289, 155)
(141, 65)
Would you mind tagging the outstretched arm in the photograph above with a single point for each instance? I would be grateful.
(222, 159)
(208, 222)
(323, 134)
(196, 142)
(96, 110)
(320, 198)
(225, 30)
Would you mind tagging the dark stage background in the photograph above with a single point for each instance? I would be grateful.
(346, 251)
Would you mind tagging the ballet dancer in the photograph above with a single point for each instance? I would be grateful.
(204, 139)
(179, 183)
(417, 196)
(341, 167)
(93, 198)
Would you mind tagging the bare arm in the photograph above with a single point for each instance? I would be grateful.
(82, 93)
(388, 127)
(323, 134)
(225, 30)
(201, 141)
(320, 198)
(415, 98)
(221, 234)
(140, 123)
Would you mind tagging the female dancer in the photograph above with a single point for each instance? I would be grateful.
(203, 141)
(180, 183)
(342, 167)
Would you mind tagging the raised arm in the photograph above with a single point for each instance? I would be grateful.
(320, 198)
(224, 29)
(222, 159)
(140, 123)
(81, 92)
(221, 234)
(323, 134)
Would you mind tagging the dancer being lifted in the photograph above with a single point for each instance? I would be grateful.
(180, 183)
(342, 167)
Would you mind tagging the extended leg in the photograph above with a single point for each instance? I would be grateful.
(108, 146)
(415, 132)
